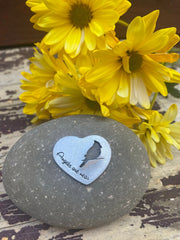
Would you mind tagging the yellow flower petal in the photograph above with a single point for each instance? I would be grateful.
(43, 114)
(57, 47)
(105, 111)
(65, 81)
(105, 18)
(153, 77)
(175, 131)
(57, 6)
(97, 5)
(152, 159)
(150, 141)
(121, 48)
(166, 148)
(110, 39)
(124, 84)
(122, 6)
(164, 57)
(173, 40)
(150, 22)
(159, 40)
(154, 44)
(122, 115)
(154, 135)
(57, 35)
(101, 73)
(160, 157)
(152, 155)
(125, 61)
(155, 118)
(170, 114)
(51, 21)
(73, 40)
(136, 31)
(71, 67)
(175, 76)
(27, 97)
(29, 109)
(110, 89)
(90, 39)
(96, 28)
(138, 91)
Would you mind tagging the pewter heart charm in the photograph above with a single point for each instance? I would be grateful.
(84, 159)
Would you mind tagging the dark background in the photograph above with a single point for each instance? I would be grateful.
(16, 29)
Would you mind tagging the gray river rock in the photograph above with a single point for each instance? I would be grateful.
(57, 192)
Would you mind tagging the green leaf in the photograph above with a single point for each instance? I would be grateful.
(172, 90)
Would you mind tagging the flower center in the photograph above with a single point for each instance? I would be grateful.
(80, 15)
(135, 61)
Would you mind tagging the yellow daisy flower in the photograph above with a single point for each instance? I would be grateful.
(72, 23)
(158, 133)
(131, 71)
(75, 100)
(39, 8)
(52, 88)
(69, 98)
(39, 82)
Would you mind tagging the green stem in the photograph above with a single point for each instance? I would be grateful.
(123, 23)
(153, 100)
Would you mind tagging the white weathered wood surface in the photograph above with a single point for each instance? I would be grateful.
(156, 217)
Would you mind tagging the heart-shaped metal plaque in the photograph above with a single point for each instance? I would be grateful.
(84, 159)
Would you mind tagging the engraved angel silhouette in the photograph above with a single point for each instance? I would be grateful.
(92, 154)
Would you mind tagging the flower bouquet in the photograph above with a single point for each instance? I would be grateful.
(81, 67)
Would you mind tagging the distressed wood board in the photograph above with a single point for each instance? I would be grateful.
(156, 217)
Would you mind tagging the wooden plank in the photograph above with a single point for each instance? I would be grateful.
(15, 28)
(157, 216)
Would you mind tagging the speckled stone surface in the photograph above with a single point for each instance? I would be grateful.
(37, 185)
